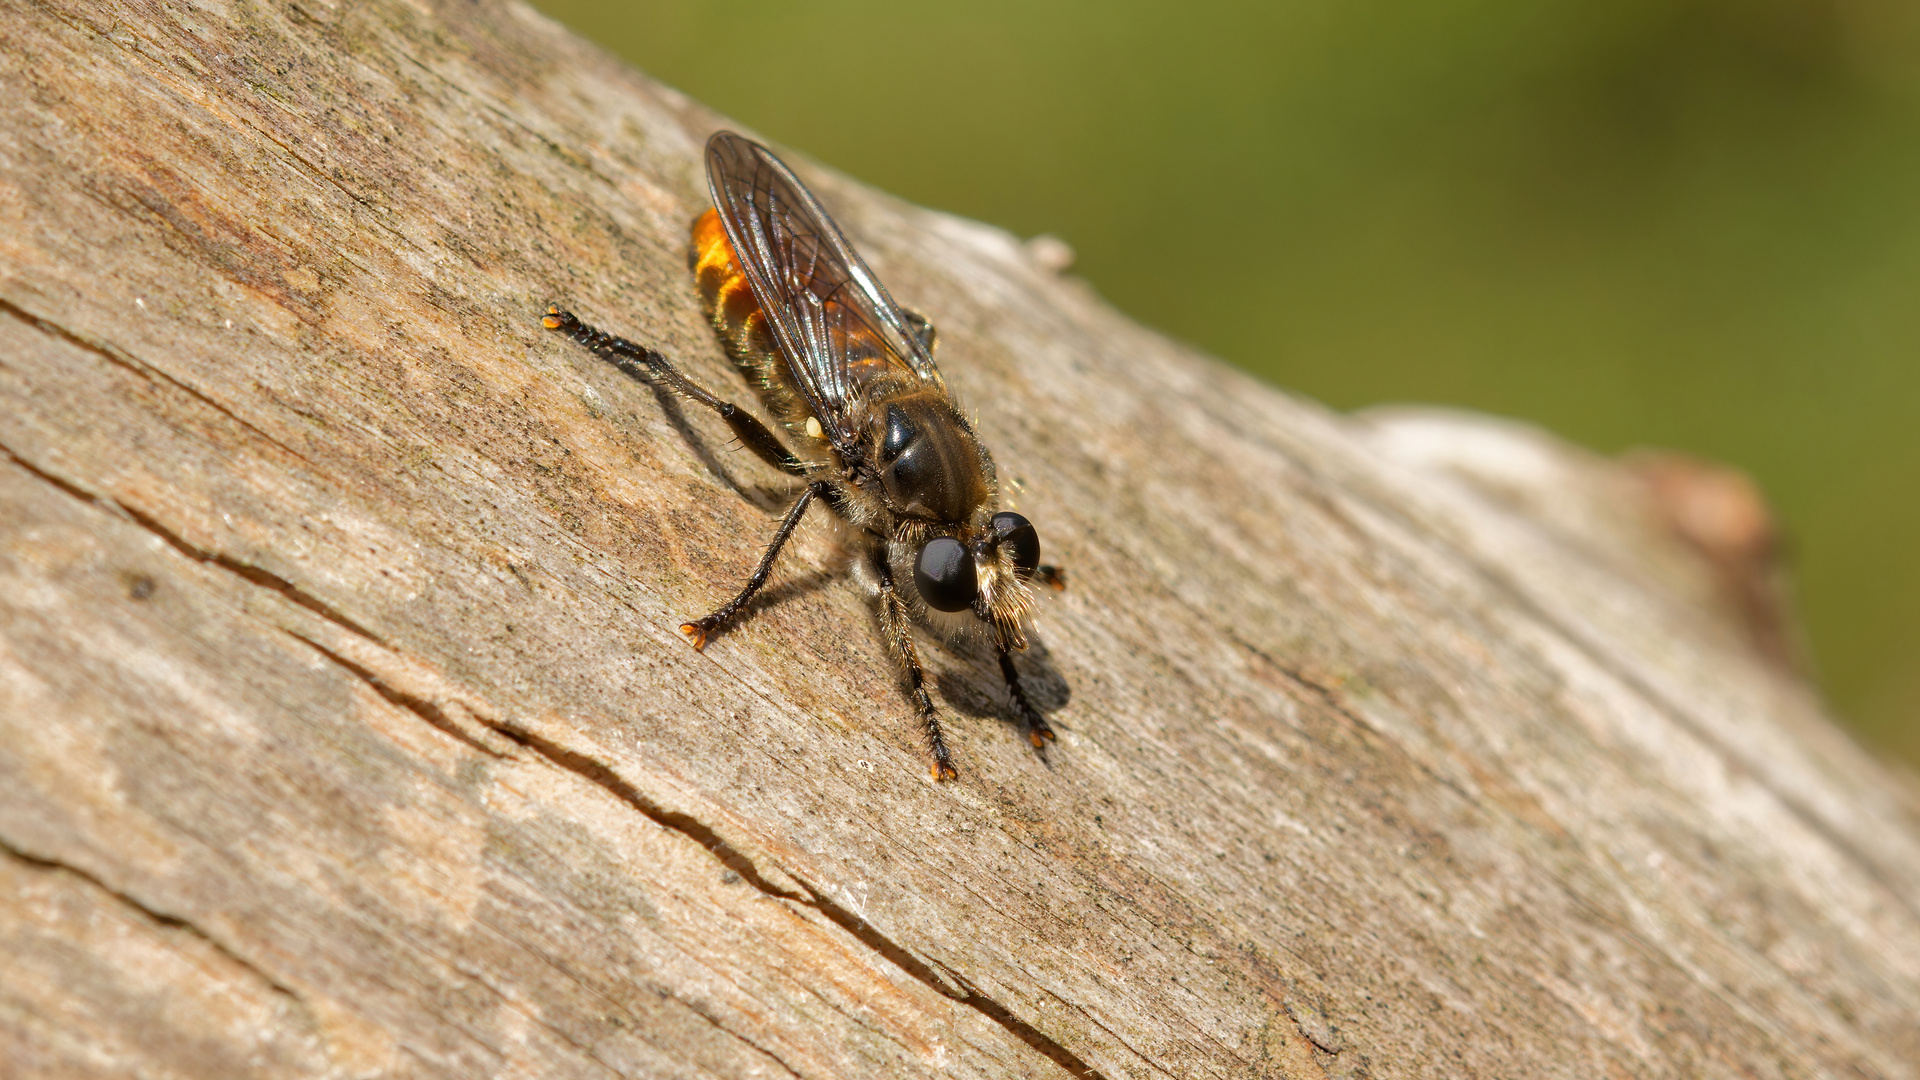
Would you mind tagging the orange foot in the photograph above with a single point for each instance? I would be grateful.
(944, 771)
(695, 633)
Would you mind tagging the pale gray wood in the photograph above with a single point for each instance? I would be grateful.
(347, 731)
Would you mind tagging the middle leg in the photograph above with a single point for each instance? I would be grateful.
(700, 629)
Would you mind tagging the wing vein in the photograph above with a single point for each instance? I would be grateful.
(835, 325)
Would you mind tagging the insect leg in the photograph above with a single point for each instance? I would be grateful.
(922, 329)
(1051, 576)
(700, 629)
(1039, 732)
(897, 625)
(644, 363)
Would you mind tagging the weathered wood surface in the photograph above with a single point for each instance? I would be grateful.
(347, 731)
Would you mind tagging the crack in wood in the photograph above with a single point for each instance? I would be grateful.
(603, 776)
(426, 709)
(775, 1058)
(163, 918)
(1129, 1047)
(146, 371)
(954, 987)
(266, 579)
(968, 995)
(435, 716)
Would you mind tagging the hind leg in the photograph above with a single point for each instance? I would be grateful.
(644, 363)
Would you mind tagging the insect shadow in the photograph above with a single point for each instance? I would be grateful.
(962, 684)
(966, 682)
(672, 406)
(784, 590)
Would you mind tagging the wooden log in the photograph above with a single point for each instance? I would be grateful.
(347, 731)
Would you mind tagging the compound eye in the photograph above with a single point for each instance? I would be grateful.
(1017, 535)
(945, 576)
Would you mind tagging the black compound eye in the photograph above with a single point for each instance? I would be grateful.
(1016, 534)
(945, 575)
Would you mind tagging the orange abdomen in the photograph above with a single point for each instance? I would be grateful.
(724, 288)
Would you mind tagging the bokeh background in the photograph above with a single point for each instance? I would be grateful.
(1691, 224)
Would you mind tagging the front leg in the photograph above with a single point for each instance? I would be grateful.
(1039, 732)
(896, 625)
(700, 629)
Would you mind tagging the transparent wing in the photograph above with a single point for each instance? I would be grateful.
(833, 320)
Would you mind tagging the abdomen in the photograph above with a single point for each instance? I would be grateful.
(723, 289)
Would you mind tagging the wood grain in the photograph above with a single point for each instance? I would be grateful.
(347, 731)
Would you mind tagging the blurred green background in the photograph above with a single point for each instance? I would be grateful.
(1691, 224)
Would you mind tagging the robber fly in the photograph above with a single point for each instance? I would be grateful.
(850, 376)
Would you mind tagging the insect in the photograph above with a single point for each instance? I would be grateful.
(878, 439)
